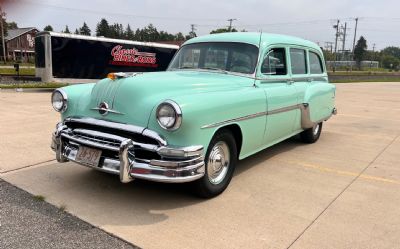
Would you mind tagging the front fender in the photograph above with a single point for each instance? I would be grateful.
(201, 110)
(78, 96)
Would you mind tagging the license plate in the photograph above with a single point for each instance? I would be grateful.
(88, 156)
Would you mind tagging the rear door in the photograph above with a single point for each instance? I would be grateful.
(281, 95)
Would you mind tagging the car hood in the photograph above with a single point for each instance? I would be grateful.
(131, 100)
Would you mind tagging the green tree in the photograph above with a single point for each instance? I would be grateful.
(390, 62)
(223, 30)
(129, 34)
(48, 28)
(179, 37)
(393, 51)
(360, 51)
(76, 32)
(12, 25)
(102, 28)
(85, 30)
(116, 31)
(67, 30)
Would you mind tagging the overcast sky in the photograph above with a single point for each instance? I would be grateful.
(311, 19)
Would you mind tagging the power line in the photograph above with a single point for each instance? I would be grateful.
(107, 13)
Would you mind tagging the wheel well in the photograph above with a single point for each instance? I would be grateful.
(237, 134)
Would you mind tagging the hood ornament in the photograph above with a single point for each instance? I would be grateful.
(104, 109)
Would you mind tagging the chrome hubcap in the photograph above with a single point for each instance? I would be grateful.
(316, 129)
(218, 162)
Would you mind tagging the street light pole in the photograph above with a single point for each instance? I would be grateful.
(2, 14)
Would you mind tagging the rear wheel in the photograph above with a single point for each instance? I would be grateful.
(311, 135)
(221, 158)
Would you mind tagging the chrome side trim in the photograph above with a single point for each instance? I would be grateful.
(306, 122)
(255, 115)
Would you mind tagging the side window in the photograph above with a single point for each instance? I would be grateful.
(298, 61)
(275, 62)
(315, 63)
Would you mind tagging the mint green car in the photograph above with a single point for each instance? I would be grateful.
(223, 98)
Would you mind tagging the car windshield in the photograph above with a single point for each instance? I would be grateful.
(219, 56)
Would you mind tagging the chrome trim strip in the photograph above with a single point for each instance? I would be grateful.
(255, 115)
(107, 124)
(106, 110)
(90, 143)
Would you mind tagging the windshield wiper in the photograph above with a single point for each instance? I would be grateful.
(187, 67)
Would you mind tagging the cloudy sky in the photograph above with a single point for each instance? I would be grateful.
(310, 19)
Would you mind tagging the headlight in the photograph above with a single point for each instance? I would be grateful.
(59, 100)
(169, 115)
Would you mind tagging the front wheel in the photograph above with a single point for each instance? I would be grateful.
(311, 135)
(221, 158)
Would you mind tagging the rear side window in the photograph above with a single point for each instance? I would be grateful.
(315, 64)
(298, 61)
(275, 62)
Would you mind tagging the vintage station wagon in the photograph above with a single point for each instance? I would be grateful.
(223, 98)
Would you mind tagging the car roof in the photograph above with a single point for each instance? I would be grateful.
(254, 39)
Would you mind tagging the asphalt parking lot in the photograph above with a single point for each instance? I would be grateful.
(342, 192)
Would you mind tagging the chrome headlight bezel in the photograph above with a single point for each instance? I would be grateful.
(64, 97)
(177, 115)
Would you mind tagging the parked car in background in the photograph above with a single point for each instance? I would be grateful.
(223, 98)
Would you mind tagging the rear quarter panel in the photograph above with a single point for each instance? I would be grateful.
(321, 99)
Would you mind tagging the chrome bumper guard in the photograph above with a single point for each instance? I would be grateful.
(177, 164)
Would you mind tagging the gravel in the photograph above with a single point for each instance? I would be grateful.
(28, 221)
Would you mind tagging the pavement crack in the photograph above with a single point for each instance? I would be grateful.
(27, 166)
(341, 192)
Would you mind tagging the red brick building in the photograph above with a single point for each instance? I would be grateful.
(20, 44)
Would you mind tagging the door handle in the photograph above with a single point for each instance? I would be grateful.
(310, 80)
(289, 82)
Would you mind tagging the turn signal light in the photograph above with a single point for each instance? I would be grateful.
(114, 76)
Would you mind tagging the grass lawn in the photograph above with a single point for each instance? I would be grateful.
(51, 85)
(22, 71)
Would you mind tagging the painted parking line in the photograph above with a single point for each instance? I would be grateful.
(342, 172)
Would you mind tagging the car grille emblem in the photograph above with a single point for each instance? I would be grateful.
(103, 108)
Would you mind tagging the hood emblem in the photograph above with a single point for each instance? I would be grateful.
(103, 108)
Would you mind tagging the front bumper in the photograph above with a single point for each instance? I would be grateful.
(174, 164)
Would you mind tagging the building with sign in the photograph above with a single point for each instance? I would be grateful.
(20, 44)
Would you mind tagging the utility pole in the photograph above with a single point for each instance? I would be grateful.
(329, 46)
(336, 40)
(344, 39)
(355, 35)
(2, 14)
(193, 28)
(230, 23)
